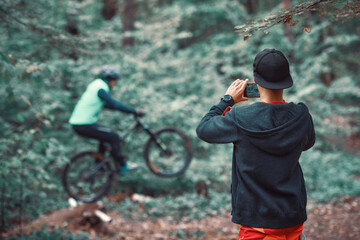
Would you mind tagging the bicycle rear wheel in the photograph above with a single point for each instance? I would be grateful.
(87, 177)
(169, 153)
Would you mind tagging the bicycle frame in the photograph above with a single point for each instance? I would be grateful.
(146, 128)
(94, 171)
(138, 124)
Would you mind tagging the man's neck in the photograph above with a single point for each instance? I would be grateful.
(269, 99)
(268, 96)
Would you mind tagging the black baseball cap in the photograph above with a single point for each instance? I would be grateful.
(271, 70)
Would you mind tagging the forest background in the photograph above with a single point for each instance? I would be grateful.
(176, 59)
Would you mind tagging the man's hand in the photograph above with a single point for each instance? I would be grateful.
(140, 113)
(236, 90)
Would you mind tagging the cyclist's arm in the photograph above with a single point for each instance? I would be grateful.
(111, 103)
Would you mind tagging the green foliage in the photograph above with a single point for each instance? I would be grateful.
(187, 206)
(331, 174)
(190, 205)
(186, 54)
(57, 234)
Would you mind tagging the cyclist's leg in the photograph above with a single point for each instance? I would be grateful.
(103, 134)
(101, 147)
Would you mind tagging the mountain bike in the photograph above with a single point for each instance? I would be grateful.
(88, 175)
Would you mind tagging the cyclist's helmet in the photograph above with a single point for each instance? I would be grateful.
(108, 74)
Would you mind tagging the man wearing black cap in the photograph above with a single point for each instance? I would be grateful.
(268, 190)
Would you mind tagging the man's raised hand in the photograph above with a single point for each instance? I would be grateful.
(236, 90)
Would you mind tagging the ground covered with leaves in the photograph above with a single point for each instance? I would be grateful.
(336, 220)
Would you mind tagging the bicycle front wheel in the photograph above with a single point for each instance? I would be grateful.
(87, 177)
(168, 153)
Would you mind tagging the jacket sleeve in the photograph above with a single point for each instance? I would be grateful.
(111, 103)
(214, 128)
(311, 136)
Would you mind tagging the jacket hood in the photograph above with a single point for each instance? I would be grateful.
(275, 128)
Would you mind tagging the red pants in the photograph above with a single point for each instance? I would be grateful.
(290, 233)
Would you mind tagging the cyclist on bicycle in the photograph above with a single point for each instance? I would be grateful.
(85, 115)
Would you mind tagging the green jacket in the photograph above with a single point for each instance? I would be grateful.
(90, 104)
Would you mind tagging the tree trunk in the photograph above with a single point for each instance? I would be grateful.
(72, 25)
(161, 3)
(128, 13)
(252, 6)
(109, 9)
(288, 31)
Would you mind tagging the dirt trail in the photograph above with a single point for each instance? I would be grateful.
(338, 220)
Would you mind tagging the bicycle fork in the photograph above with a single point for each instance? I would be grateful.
(158, 142)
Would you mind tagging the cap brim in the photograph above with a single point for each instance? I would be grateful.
(287, 82)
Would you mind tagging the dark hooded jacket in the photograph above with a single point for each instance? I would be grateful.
(268, 189)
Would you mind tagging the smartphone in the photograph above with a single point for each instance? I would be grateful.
(251, 91)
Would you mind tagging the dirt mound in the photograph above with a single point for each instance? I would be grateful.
(337, 220)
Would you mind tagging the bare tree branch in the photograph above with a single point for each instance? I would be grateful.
(335, 10)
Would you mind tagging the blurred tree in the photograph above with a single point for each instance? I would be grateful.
(109, 9)
(72, 23)
(163, 2)
(252, 6)
(128, 14)
(72, 27)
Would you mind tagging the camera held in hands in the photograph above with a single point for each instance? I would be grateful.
(251, 91)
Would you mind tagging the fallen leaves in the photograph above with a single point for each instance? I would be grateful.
(33, 68)
(12, 59)
(287, 19)
(294, 23)
(339, 219)
(307, 29)
(246, 37)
